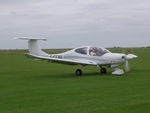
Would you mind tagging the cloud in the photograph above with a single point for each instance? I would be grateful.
(71, 23)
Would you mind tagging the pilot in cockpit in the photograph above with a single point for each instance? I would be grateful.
(93, 51)
(96, 51)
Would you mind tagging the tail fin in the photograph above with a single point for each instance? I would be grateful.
(33, 46)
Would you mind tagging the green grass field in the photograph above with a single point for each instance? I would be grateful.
(29, 86)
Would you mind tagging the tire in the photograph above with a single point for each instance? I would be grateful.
(103, 70)
(78, 72)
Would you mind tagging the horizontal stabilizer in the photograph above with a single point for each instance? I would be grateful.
(30, 38)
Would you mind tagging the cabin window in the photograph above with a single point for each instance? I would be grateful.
(95, 51)
(82, 50)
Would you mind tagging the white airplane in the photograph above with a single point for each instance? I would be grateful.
(86, 55)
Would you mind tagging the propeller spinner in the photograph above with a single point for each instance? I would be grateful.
(126, 58)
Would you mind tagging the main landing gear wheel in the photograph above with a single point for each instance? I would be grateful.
(103, 70)
(78, 72)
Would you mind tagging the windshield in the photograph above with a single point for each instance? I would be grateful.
(95, 51)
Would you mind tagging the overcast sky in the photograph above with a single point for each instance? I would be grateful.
(73, 23)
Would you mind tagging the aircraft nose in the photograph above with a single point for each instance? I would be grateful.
(115, 57)
(123, 57)
(129, 56)
(120, 57)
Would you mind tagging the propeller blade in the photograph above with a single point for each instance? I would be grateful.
(127, 69)
(126, 58)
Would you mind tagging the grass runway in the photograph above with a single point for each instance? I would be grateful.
(29, 86)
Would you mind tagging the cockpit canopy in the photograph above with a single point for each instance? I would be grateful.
(82, 50)
(92, 51)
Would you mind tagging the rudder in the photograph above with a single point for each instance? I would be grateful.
(33, 46)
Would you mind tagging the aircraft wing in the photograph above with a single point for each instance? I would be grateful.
(63, 61)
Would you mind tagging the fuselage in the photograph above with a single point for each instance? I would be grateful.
(103, 56)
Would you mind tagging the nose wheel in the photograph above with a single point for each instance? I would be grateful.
(78, 72)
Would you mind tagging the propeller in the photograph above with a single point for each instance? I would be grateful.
(127, 68)
(126, 58)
